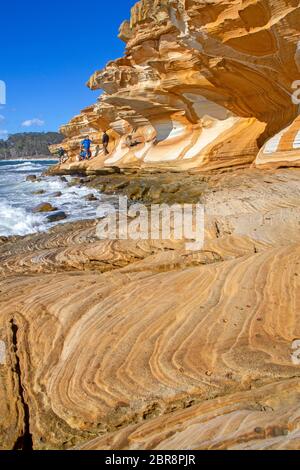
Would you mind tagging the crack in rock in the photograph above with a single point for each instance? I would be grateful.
(24, 441)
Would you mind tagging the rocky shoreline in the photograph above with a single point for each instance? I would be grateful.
(150, 186)
(132, 344)
(135, 344)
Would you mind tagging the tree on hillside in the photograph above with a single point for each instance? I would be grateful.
(29, 144)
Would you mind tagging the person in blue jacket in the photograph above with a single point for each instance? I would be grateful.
(86, 148)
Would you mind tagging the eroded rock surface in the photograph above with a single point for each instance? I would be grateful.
(282, 150)
(201, 85)
(124, 344)
(142, 344)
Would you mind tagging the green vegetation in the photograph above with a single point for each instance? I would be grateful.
(28, 145)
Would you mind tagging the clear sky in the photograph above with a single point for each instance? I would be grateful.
(48, 50)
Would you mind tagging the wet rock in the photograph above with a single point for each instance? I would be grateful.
(91, 197)
(172, 188)
(44, 207)
(108, 171)
(155, 188)
(84, 180)
(63, 179)
(57, 194)
(32, 178)
(120, 186)
(135, 191)
(60, 215)
(155, 194)
(75, 182)
(40, 192)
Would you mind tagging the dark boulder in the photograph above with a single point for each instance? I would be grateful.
(40, 192)
(91, 197)
(44, 207)
(60, 215)
(32, 178)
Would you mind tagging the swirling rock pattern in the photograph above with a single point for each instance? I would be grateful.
(142, 344)
(201, 85)
(257, 419)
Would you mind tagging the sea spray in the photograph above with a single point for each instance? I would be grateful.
(18, 197)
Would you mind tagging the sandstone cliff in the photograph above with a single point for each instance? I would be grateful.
(122, 344)
(202, 85)
(282, 150)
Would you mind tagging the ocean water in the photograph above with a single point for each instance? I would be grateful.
(17, 199)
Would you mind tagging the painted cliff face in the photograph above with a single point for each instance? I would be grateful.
(201, 85)
(283, 149)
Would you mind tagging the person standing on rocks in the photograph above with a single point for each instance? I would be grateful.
(86, 148)
(105, 142)
(63, 157)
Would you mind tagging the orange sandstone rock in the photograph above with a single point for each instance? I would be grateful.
(202, 85)
(282, 150)
(122, 344)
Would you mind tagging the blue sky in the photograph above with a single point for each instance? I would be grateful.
(48, 50)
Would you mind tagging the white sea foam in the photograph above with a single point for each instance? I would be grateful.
(18, 198)
(16, 221)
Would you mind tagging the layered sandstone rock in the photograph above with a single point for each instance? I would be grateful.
(263, 419)
(282, 150)
(122, 344)
(143, 344)
(202, 85)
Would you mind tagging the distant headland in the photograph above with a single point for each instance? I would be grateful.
(29, 145)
